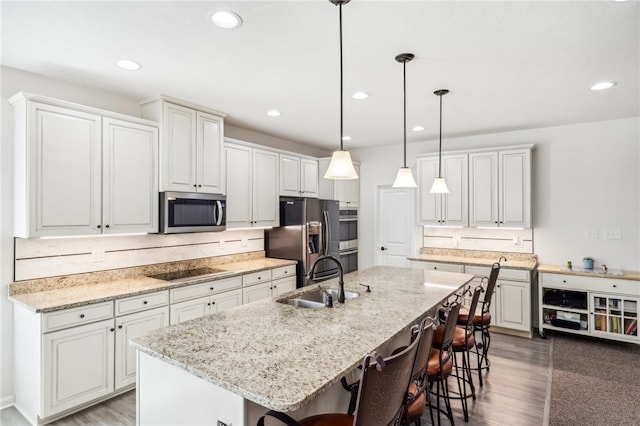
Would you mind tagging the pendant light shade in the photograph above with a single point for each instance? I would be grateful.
(439, 185)
(404, 179)
(341, 166)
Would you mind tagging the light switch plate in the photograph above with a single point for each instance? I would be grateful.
(612, 234)
(223, 422)
(592, 234)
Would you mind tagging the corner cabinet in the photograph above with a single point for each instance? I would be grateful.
(443, 209)
(82, 171)
(252, 186)
(298, 176)
(602, 307)
(191, 147)
(346, 191)
(500, 188)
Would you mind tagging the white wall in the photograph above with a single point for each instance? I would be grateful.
(585, 176)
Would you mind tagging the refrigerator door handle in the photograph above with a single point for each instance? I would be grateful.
(327, 232)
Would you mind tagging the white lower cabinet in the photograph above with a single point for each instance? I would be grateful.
(196, 308)
(265, 284)
(77, 366)
(511, 302)
(128, 327)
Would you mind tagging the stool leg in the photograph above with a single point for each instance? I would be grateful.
(462, 387)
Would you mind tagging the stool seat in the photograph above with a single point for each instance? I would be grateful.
(460, 342)
(336, 419)
(433, 368)
(416, 404)
(478, 318)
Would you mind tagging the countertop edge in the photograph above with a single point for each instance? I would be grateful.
(554, 269)
(530, 266)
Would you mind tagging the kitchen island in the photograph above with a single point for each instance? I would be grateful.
(237, 364)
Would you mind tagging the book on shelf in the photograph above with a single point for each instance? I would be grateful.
(631, 328)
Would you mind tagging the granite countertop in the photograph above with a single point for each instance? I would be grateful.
(281, 356)
(478, 258)
(65, 297)
(617, 274)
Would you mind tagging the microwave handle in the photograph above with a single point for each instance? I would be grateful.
(327, 228)
(218, 213)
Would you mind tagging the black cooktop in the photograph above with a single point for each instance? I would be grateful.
(187, 273)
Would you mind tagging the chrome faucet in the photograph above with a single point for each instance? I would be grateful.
(335, 260)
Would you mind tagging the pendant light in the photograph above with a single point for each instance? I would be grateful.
(439, 185)
(404, 179)
(341, 166)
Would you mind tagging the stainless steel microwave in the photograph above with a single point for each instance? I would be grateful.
(191, 212)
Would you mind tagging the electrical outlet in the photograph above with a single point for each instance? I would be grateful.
(223, 422)
(612, 234)
(592, 234)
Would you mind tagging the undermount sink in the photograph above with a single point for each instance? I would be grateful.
(316, 299)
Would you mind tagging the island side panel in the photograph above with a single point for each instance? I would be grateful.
(172, 396)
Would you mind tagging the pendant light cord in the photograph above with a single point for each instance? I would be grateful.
(341, 91)
(440, 146)
(404, 79)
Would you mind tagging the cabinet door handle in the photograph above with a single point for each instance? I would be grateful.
(81, 315)
(383, 248)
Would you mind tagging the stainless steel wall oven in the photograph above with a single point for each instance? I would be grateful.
(349, 240)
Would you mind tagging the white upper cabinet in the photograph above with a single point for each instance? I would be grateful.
(346, 191)
(190, 148)
(130, 178)
(252, 186)
(298, 176)
(82, 171)
(500, 188)
(443, 209)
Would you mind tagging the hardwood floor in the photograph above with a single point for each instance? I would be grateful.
(514, 392)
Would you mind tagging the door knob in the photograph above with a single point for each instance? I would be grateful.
(383, 248)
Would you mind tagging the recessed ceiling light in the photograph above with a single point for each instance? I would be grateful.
(273, 113)
(603, 85)
(126, 64)
(227, 20)
(417, 128)
(360, 95)
(346, 138)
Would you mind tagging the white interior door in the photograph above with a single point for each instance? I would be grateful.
(395, 225)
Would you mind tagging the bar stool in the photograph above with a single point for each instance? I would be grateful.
(381, 394)
(482, 321)
(462, 343)
(440, 365)
(416, 394)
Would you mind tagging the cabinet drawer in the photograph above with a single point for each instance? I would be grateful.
(285, 271)
(505, 273)
(599, 284)
(141, 302)
(205, 289)
(76, 316)
(256, 277)
(437, 266)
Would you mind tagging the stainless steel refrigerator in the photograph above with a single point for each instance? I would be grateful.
(309, 228)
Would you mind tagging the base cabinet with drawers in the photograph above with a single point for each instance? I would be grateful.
(511, 302)
(261, 285)
(595, 306)
(73, 357)
(198, 300)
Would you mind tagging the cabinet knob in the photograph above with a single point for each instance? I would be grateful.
(275, 286)
(99, 226)
(495, 221)
(106, 226)
(614, 286)
(211, 288)
(145, 302)
(120, 326)
(564, 281)
(199, 186)
(383, 248)
(259, 278)
(209, 304)
(195, 186)
(213, 303)
(501, 222)
(81, 315)
(113, 329)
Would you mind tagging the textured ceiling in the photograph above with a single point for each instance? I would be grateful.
(508, 65)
